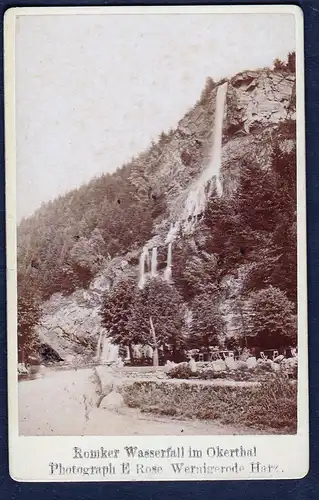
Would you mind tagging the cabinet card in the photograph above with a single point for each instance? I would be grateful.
(156, 243)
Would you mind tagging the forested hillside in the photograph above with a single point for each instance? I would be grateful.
(234, 272)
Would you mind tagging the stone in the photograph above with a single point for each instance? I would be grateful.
(41, 369)
(106, 378)
(192, 365)
(22, 369)
(231, 364)
(219, 365)
(271, 364)
(251, 362)
(112, 401)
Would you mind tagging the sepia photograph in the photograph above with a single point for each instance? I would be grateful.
(157, 233)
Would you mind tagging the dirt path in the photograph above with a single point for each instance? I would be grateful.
(64, 403)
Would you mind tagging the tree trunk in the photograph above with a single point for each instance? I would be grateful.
(155, 352)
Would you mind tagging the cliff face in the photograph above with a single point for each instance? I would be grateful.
(256, 103)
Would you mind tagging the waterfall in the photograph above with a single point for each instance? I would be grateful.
(174, 228)
(109, 351)
(154, 262)
(216, 156)
(168, 270)
(98, 349)
(142, 269)
(196, 200)
(105, 350)
(149, 261)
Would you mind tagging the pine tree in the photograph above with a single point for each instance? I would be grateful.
(291, 63)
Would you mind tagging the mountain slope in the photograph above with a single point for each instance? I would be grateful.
(79, 246)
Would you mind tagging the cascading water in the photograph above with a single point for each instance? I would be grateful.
(142, 269)
(174, 228)
(110, 352)
(216, 156)
(196, 201)
(168, 270)
(149, 260)
(99, 345)
(197, 198)
(154, 262)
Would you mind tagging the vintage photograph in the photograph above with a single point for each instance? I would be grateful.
(157, 229)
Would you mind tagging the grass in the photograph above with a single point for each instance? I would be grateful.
(271, 405)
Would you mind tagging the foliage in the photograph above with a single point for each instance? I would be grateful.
(66, 242)
(279, 65)
(269, 317)
(162, 303)
(289, 65)
(252, 228)
(207, 323)
(207, 91)
(127, 311)
(271, 405)
(117, 312)
(29, 313)
(181, 371)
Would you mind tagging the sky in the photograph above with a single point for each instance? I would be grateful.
(92, 91)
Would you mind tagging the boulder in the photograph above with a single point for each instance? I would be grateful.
(22, 369)
(106, 378)
(279, 358)
(251, 362)
(41, 370)
(112, 401)
(219, 365)
(192, 365)
(231, 364)
(275, 367)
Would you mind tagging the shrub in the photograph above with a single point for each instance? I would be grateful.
(270, 406)
(210, 374)
(182, 370)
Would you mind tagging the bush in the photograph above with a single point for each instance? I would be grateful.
(182, 370)
(210, 374)
(263, 367)
(270, 406)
